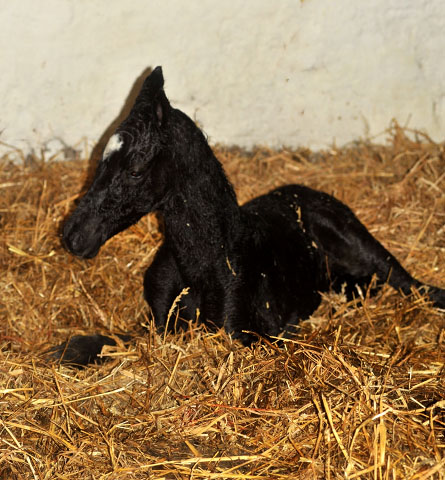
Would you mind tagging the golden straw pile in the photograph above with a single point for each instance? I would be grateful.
(358, 393)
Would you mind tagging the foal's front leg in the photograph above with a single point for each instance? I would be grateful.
(163, 284)
(82, 350)
(236, 309)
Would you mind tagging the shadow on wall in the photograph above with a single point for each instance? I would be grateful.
(96, 153)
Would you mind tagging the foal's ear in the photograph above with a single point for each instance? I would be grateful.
(155, 79)
(160, 107)
(152, 86)
(153, 93)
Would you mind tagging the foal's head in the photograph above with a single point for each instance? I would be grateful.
(130, 179)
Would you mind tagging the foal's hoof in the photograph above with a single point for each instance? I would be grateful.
(245, 338)
(79, 350)
(437, 296)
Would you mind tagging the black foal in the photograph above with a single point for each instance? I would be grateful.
(255, 268)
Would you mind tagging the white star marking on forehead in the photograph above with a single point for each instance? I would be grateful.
(114, 144)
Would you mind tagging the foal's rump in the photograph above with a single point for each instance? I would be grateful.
(352, 256)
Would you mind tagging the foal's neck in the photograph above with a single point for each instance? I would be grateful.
(202, 217)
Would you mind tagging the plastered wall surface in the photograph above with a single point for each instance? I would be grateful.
(288, 72)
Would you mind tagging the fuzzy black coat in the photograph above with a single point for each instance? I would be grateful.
(255, 268)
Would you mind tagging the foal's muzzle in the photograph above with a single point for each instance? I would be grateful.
(83, 235)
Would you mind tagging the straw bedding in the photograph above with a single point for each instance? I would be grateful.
(359, 392)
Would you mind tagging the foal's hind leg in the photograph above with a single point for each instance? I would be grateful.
(354, 255)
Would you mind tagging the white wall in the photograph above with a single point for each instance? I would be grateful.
(250, 71)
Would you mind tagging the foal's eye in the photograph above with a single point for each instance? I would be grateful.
(135, 174)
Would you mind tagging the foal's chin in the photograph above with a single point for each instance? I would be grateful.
(88, 254)
(86, 251)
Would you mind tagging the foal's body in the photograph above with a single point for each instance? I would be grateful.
(257, 272)
(256, 268)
